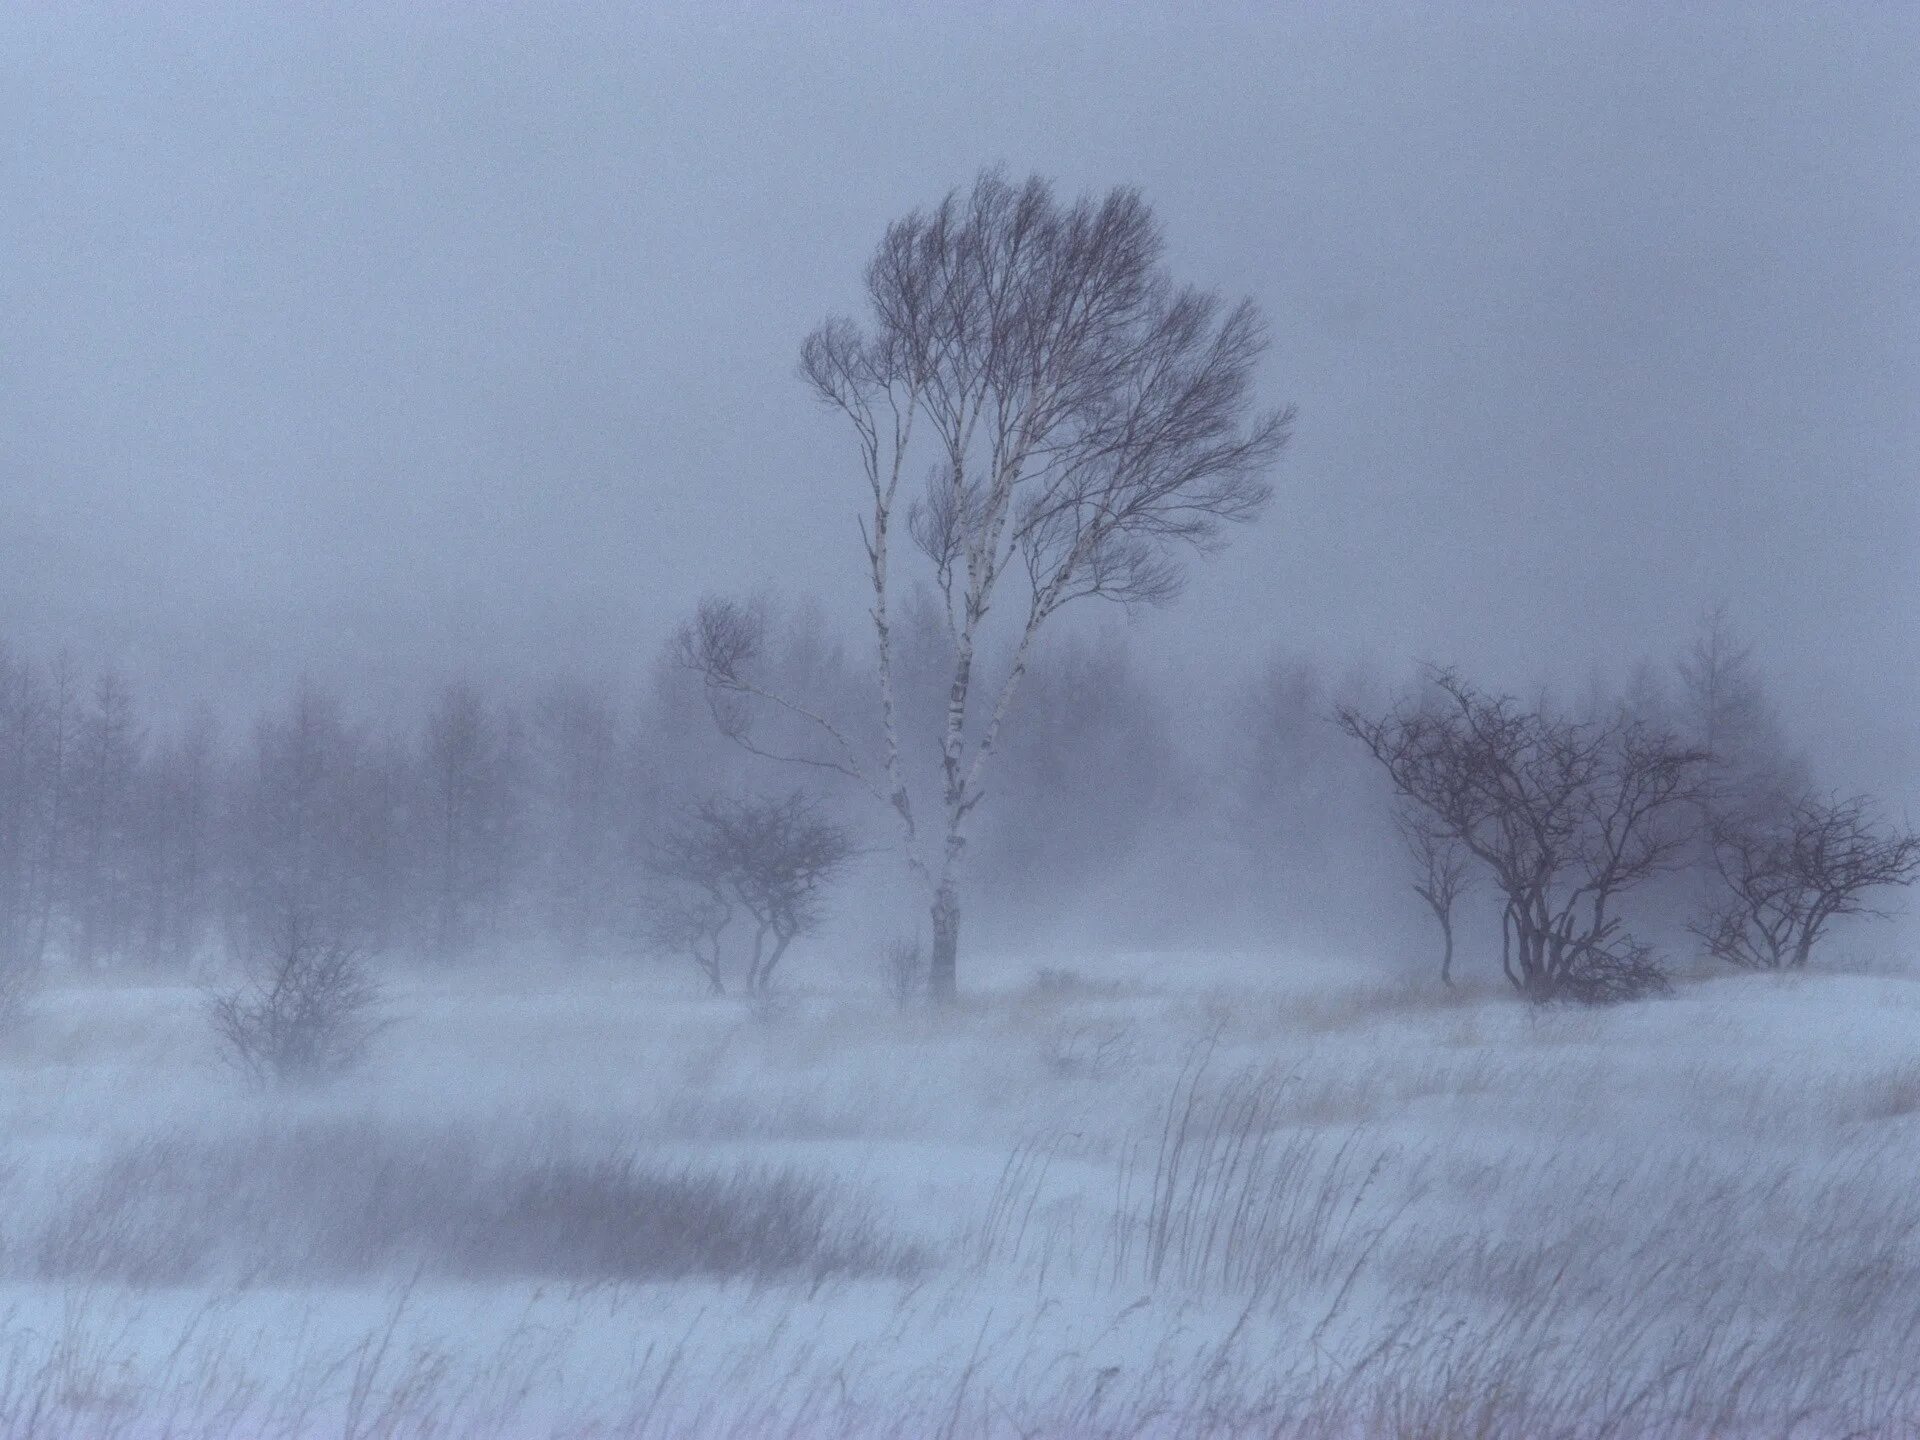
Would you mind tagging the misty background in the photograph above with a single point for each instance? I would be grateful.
(416, 350)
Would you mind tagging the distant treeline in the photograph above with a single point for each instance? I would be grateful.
(1129, 806)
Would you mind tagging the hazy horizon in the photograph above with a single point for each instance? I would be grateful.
(393, 344)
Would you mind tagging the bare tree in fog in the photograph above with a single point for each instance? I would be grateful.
(1296, 802)
(27, 782)
(584, 799)
(176, 844)
(106, 840)
(1083, 418)
(56, 831)
(903, 970)
(688, 916)
(1787, 877)
(108, 762)
(1440, 872)
(1727, 713)
(304, 835)
(24, 776)
(471, 813)
(1567, 815)
(786, 856)
(1092, 774)
(773, 858)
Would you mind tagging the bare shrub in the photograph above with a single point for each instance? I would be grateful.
(1564, 815)
(1786, 877)
(308, 1012)
(1613, 975)
(771, 858)
(351, 1199)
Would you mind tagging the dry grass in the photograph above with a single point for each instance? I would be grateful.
(1452, 1219)
(333, 1200)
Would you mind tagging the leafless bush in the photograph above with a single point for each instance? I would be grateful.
(1786, 877)
(308, 1012)
(1564, 815)
(342, 1199)
(903, 970)
(1612, 975)
(770, 858)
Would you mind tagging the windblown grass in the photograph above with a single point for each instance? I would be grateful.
(350, 1199)
(1094, 1214)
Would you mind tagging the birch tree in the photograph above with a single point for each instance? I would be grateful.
(1049, 418)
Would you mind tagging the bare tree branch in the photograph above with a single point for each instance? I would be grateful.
(1787, 878)
(772, 858)
(722, 644)
(1566, 815)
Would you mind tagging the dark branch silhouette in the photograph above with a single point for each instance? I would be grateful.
(772, 859)
(1565, 815)
(1787, 879)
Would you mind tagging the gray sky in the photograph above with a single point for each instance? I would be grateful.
(395, 339)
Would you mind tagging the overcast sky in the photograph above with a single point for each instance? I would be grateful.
(398, 339)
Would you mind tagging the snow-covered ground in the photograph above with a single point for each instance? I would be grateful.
(1152, 1195)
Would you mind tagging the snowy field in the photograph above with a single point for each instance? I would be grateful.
(1213, 1196)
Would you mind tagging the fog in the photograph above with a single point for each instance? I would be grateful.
(393, 342)
(424, 554)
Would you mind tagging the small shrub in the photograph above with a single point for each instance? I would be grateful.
(308, 1012)
(1612, 976)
